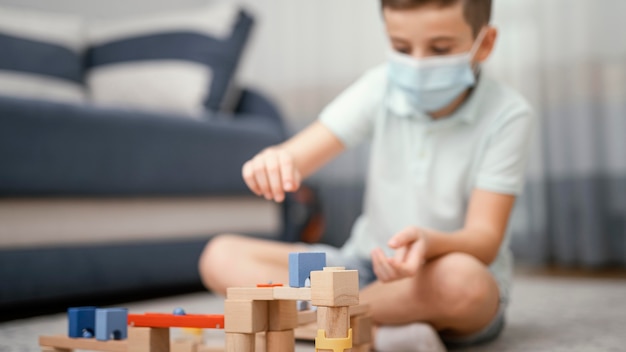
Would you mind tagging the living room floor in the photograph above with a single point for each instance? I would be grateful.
(547, 313)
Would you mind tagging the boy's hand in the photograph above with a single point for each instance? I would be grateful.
(272, 173)
(410, 245)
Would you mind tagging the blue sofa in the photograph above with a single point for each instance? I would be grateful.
(50, 150)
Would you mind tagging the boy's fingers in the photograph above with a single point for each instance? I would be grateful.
(403, 238)
(387, 270)
(287, 171)
(248, 176)
(261, 177)
(274, 177)
(400, 255)
(376, 266)
(297, 178)
(415, 257)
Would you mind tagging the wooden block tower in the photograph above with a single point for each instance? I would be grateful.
(272, 310)
(333, 291)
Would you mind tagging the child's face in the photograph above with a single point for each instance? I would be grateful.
(431, 30)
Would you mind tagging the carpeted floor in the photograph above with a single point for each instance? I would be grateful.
(547, 314)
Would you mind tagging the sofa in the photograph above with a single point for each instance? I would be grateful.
(102, 200)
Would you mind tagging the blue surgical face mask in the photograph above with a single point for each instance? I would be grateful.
(430, 84)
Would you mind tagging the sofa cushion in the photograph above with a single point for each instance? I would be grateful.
(178, 62)
(41, 55)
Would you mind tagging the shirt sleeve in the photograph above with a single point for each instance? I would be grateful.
(503, 168)
(351, 115)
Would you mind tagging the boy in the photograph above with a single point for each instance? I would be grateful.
(447, 160)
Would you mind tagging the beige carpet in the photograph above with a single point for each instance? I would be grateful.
(547, 314)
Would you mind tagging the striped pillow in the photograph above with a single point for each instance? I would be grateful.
(180, 62)
(40, 55)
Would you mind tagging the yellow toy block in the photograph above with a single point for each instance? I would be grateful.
(336, 345)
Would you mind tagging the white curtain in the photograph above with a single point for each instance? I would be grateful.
(569, 58)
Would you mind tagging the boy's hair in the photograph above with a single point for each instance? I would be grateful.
(477, 12)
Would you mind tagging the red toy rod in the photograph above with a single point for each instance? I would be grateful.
(158, 320)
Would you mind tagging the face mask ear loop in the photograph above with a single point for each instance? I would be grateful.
(476, 46)
(478, 42)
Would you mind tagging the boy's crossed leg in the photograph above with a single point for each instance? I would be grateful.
(455, 293)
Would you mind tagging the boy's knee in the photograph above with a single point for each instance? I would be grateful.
(464, 283)
(216, 255)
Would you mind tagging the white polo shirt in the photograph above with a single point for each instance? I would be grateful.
(422, 171)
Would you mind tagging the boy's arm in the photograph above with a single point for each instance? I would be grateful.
(280, 168)
(484, 230)
(485, 226)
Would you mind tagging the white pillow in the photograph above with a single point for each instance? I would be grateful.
(41, 55)
(162, 62)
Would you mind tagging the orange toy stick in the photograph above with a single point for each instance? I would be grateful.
(269, 285)
(158, 320)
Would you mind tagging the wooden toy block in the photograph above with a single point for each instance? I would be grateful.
(363, 308)
(148, 339)
(183, 346)
(236, 342)
(362, 348)
(246, 317)
(261, 342)
(81, 322)
(301, 265)
(203, 348)
(326, 344)
(335, 321)
(250, 293)
(335, 288)
(280, 341)
(361, 329)
(111, 323)
(158, 320)
(306, 332)
(306, 317)
(60, 343)
(283, 315)
(292, 293)
(54, 349)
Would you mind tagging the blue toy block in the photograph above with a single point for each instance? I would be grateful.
(301, 265)
(111, 323)
(82, 322)
(179, 311)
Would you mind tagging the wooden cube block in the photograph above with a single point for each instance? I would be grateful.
(280, 341)
(236, 342)
(245, 317)
(283, 315)
(335, 321)
(335, 288)
(148, 339)
(361, 329)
